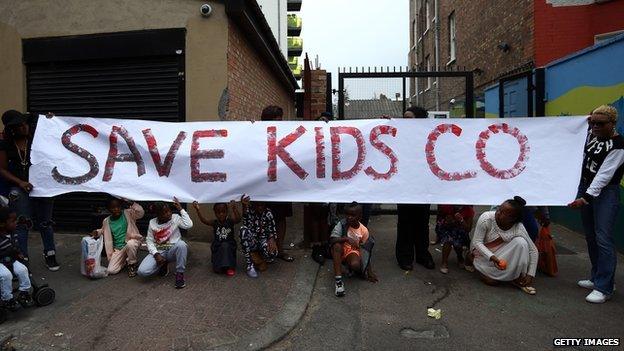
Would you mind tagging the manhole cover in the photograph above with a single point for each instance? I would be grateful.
(433, 332)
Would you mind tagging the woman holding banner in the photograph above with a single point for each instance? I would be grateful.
(599, 200)
(14, 168)
(413, 224)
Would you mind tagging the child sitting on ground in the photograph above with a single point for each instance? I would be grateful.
(223, 245)
(351, 245)
(165, 244)
(453, 226)
(258, 236)
(10, 264)
(121, 235)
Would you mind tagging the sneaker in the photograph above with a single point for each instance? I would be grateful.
(25, 299)
(470, 269)
(230, 272)
(132, 270)
(251, 272)
(50, 261)
(444, 270)
(597, 297)
(340, 289)
(11, 305)
(180, 283)
(163, 271)
(587, 284)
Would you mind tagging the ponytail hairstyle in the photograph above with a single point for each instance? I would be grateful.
(518, 204)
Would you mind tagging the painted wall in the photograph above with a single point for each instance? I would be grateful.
(577, 84)
(515, 99)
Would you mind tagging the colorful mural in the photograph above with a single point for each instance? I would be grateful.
(575, 85)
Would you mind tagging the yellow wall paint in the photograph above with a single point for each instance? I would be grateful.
(581, 100)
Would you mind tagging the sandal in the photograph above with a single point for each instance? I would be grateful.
(285, 257)
(526, 289)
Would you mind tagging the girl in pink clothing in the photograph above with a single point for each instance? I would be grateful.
(121, 235)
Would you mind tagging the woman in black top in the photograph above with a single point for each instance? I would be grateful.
(14, 167)
(599, 200)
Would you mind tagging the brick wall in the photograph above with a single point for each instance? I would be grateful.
(318, 92)
(560, 31)
(252, 84)
(481, 25)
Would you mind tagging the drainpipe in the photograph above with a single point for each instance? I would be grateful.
(437, 52)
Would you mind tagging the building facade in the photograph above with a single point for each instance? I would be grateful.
(161, 61)
(286, 25)
(498, 39)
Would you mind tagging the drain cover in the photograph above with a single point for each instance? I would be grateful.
(433, 332)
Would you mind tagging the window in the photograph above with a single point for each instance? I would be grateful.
(428, 63)
(427, 15)
(451, 31)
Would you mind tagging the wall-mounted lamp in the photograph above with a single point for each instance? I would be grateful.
(504, 47)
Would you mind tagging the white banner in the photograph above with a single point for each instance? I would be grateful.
(450, 161)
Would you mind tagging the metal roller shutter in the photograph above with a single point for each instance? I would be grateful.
(133, 87)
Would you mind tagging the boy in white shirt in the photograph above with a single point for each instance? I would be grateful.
(165, 244)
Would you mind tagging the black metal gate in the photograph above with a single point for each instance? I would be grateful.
(403, 75)
(132, 75)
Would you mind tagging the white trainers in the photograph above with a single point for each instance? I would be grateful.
(340, 289)
(251, 272)
(586, 284)
(597, 297)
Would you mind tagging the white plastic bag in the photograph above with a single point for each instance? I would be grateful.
(91, 256)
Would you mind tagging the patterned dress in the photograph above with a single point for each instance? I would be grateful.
(255, 233)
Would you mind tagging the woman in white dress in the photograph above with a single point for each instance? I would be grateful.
(501, 248)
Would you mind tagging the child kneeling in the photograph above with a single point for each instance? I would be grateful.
(165, 244)
(11, 265)
(351, 245)
(257, 236)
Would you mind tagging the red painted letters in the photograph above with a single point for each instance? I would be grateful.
(163, 168)
(94, 167)
(278, 148)
(431, 158)
(197, 155)
(114, 156)
(361, 152)
(379, 145)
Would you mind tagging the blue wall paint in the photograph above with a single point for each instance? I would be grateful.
(600, 65)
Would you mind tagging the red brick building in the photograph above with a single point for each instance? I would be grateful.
(497, 39)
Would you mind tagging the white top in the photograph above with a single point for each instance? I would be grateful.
(161, 236)
(487, 231)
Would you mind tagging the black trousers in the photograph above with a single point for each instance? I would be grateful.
(412, 233)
